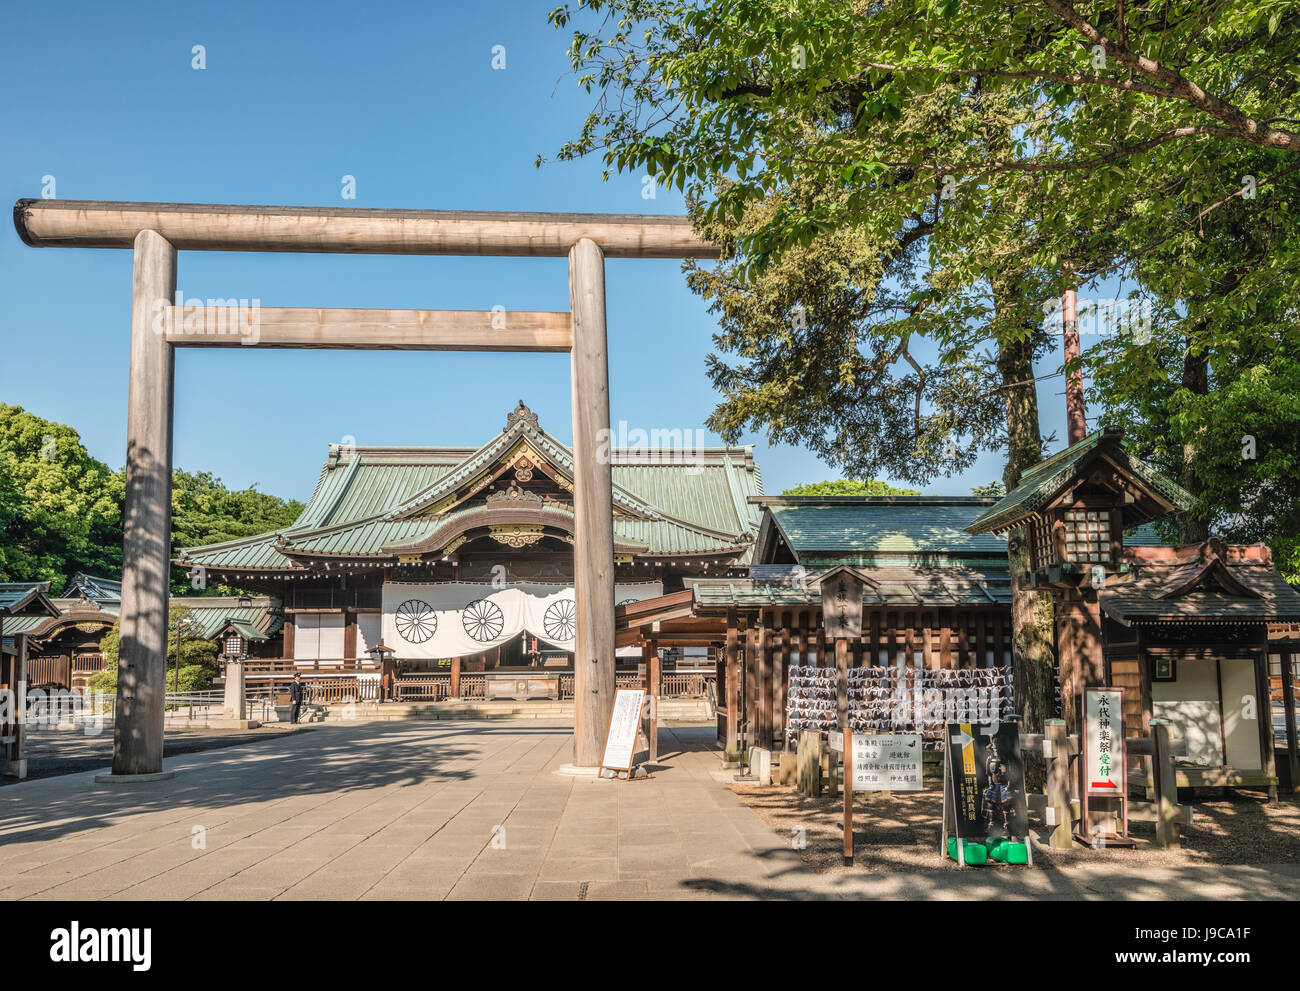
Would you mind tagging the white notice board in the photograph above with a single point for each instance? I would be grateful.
(1103, 719)
(887, 762)
(620, 741)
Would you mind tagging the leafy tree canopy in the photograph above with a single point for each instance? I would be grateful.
(60, 509)
(849, 487)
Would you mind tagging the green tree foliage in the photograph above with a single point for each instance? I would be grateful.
(849, 487)
(205, 512)
(60, 509)
(198, 657)
(993, 490)
(968, 161)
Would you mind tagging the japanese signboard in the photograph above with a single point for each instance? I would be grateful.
(841, 590)
(1103, 710)
(987, 780)
(620, 741)
(887, 762)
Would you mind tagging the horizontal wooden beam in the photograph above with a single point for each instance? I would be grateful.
(217, 227)
(246, 325)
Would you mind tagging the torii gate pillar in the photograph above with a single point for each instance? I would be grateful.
(142, 660)
(593, 509)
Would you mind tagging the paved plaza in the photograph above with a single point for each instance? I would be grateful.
(470, 810)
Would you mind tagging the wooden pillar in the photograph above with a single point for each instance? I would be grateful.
(1166, 787)
(732, 674)
(15, 763)
(780, 667)
(147, 519)
(455, 677)
(752, 663)
(1058, 783)
(653, 687)
(287, 639)
(766, 682)
(593, 512)
(1288, 704)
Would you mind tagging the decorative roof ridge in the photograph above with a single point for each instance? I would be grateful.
(871, 500)
(183, 553)
(1032, 490)
(521, 423)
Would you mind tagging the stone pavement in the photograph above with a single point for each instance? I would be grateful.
(468, 811)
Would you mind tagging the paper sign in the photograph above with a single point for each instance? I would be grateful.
(1104, 748)
(620, 741)
(887, 762)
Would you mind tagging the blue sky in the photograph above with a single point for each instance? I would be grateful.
(403, 97)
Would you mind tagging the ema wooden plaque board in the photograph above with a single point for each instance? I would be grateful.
(620, 740)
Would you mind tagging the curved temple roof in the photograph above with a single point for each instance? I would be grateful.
(376, 503)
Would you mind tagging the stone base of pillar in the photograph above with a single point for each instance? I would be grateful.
(133, 779)
(574, 771)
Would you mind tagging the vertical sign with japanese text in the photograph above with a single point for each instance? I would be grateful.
(1104, 735)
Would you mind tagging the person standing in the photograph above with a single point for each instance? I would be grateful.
(295, 697)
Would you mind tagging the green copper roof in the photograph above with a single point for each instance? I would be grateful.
(899, 587)
(368, 500)
(1042, 483)
(876, 530)
(26, 597)
(209, 615)
(94, 588)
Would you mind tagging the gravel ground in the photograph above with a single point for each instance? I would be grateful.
(53, 752)
(900, 832)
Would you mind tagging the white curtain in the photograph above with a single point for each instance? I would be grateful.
(318, 635)
(456, 619)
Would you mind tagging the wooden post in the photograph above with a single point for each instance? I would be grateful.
(455, 677)
(146, 545)
(15, 750)
(732, 698)
(1288, 705)
(1166, 778)
(848, 795)
(763, 710)
(780, 667)
(593, 507)
(809, 763)
(1058, 783)
(653, 685)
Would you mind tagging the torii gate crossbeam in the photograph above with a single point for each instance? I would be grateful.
(156, 231)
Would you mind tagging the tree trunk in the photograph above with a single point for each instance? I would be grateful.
(1192, 527)
(1033, 643)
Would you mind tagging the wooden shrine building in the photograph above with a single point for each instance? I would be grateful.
(460, 559)
(1184, 630)
(20, 602)
(936, 611)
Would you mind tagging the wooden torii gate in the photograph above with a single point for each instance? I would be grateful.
(156, 231)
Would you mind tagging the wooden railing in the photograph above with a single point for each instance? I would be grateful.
(692, 684)
(88, 663)
(424, 687)
(277, 666)
(54, 670)
(435, 686)
(326, 690)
